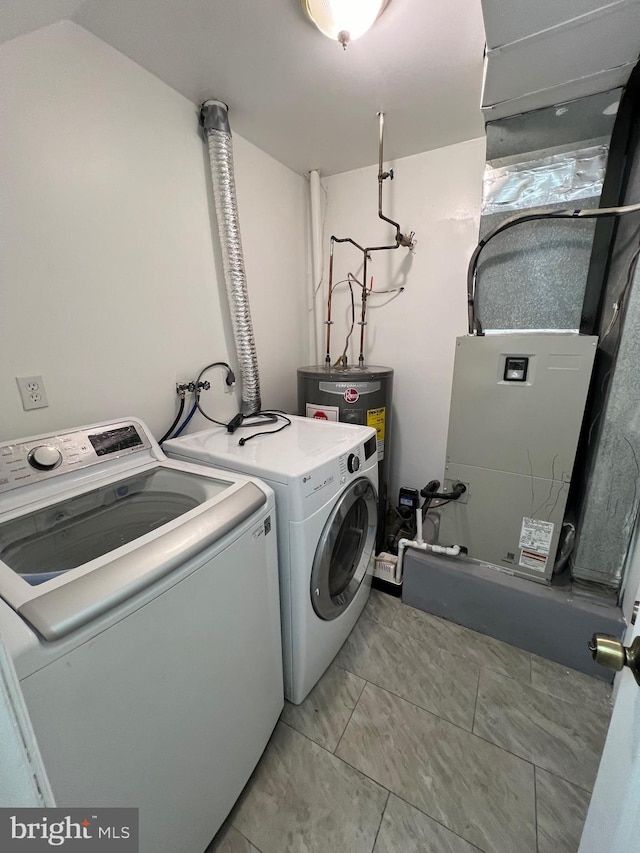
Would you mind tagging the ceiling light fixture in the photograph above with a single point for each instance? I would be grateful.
(344, 20)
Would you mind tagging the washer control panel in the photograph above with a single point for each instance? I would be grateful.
(32, 460)
(44, 457)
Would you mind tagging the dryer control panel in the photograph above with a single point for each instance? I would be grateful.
(351, 463)
(338, 472)
(35, 459)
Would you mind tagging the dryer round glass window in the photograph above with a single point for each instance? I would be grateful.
(344, 550)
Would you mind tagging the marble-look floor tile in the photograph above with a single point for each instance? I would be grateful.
(478, 791)
(382, 607)
(433, 679)
(324, 714)
(470, 645)
(568, 684)
(407, 830)
(559, 736)
(561, 811)
(229, 840)
(302, 799)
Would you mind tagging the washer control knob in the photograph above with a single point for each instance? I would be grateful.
(44, 457)
(353, 463)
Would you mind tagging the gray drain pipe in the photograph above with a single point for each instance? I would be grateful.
(214, 118)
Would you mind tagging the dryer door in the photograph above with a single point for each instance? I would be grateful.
(344, 550)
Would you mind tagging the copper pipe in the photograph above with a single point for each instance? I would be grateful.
(400, 240)
(348, 240)
(382, 176)
(363, 321)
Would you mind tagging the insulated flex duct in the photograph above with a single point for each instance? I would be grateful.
(214, 118)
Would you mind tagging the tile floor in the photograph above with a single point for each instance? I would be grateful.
(426, 737)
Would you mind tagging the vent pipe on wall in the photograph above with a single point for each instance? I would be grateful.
(214, 118)
(317, 263)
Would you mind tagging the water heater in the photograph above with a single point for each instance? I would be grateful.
(517, 406)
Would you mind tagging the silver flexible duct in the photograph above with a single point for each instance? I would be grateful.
(214, 118)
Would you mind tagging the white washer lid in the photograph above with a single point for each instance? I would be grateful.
(282, 457)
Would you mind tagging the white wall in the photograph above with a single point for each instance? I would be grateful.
(274, 211)
(436, 194)
(111, 282)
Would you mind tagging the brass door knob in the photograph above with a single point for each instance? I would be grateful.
(610, 652)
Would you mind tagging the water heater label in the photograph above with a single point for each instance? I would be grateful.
(535, 543)
(342, 387)
(323, 413)
(376, 419)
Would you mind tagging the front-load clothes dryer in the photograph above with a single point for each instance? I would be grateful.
(139, 603)
(325, 478)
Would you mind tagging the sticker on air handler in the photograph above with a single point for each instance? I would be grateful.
(535, 543)
(376, 419)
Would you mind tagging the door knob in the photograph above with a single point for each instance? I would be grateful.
(608, 651)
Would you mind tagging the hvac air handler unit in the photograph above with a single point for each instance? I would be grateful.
(516, 412)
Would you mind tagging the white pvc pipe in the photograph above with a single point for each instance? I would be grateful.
(449, 550)
(419, 545)
(315, 194)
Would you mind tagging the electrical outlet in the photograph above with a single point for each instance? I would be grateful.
(32, 392)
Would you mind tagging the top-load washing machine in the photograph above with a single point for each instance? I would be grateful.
(139, 603)
(325, 477)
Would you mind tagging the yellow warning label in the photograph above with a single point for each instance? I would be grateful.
(375, 419)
